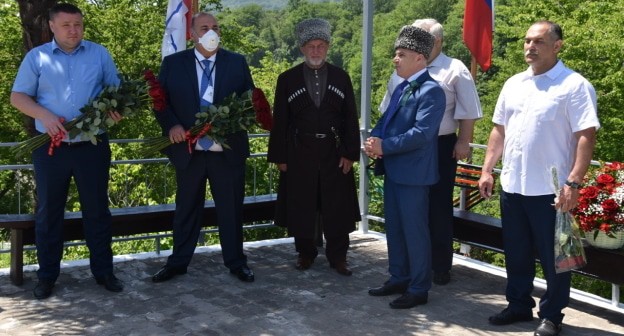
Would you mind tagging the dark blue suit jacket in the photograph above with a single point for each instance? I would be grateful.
(178, 77)
(410, 154)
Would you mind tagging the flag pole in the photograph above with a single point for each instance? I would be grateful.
(473, 68)
(195, 6)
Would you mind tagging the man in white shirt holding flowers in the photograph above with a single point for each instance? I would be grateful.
(545, 117)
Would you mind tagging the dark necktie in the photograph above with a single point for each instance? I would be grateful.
(206, 81)
(393, 105)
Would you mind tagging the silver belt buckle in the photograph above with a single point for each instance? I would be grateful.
(320, 135)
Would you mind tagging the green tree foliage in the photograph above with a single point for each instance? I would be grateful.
(10, 59)
(12, 184)
(592, 46)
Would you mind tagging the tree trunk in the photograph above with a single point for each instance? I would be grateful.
(35, 31)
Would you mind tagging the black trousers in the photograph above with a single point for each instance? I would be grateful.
(227, 186)
(529, 226)
(335, 248)
(441, 206)
(88, 165)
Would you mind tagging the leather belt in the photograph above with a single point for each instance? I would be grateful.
(315, 135)
(75, 143)
(446, 135)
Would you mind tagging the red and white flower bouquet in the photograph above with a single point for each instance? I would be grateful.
(234, 114)
(601, 201)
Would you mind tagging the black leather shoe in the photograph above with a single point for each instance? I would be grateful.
(243, 273)
(547, 328)
(43, 290)
(441, 278)
(388, 289)
(408, 300)
(166, 273)
(508, 317)
(110, 282)
(342, 268)
(303, 263)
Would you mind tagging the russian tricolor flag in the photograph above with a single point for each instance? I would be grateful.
(478, 28)
(177, 26)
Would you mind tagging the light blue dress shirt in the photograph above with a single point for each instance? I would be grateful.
(65, 82)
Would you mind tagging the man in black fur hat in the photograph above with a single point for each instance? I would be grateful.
(314, 142)
(404, 142)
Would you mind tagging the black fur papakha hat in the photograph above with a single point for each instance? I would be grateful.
(313, 29)
(415, 39)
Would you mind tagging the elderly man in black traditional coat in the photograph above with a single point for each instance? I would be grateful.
(314, 141)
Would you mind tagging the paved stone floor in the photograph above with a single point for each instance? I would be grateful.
(282, 300)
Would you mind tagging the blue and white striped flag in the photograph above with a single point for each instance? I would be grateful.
(174, 40)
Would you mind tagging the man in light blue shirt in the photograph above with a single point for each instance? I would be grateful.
(54, 81)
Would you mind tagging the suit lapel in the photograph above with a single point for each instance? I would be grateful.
(410, 91)
(191, 71)
(222, 64)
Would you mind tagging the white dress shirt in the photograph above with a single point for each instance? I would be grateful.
(540, 115)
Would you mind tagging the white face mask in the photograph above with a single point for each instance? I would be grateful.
(210, 40)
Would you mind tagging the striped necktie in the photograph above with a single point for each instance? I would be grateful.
(206, 81)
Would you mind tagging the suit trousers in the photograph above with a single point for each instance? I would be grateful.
(227, 186)
(89, 165)
(406, 209)
(441, 206)
(529, 226)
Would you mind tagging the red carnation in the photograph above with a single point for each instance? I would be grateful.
(605, 227)
(605, 179)
(613, 166)
(590, 192)
(609, 205)
(263, 109)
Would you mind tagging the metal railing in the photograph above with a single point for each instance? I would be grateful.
(253, 189)
(23, 187)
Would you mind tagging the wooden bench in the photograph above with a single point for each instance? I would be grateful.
(486, 232)
(126, 222)
(467, 178)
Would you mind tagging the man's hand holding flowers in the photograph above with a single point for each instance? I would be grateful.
(567, 199)
(107, 109)
(234, 114)
(177, 134)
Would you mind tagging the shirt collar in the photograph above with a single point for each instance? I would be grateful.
(553, 73)
(437, 62)
(56, 47)
(416, 75)
(201, 57)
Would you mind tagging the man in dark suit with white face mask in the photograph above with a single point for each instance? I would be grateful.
(193, 78)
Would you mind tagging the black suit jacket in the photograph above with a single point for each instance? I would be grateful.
(178, 77)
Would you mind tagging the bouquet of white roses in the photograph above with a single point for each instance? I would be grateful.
(234, 114)
(127, 99)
